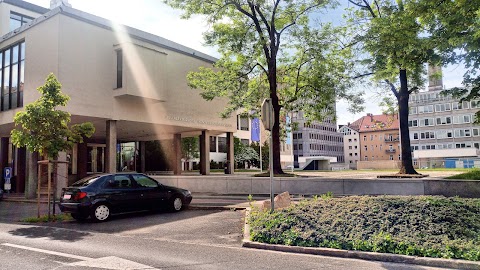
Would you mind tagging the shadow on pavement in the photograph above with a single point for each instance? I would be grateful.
(50, 233)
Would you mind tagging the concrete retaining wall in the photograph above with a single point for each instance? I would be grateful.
(312, 186)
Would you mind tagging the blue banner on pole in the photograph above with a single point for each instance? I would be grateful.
(255, 130)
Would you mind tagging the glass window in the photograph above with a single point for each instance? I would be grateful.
(242, 123)
(12, 73)
(213, 144)
(222, 144)
(144, 181)
(17, 20)
(119, 69)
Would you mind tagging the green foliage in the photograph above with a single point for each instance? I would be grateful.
(44, 218)
(190, 148)
(327, 195)
(265, 154)
(455, 27)
(244, 153)
(421, 226)
(271, 50)
(474, 174)
(42, 128)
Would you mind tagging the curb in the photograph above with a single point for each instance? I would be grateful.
(220, 208)
(353, 254)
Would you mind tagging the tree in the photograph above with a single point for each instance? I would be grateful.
(190, 148)
(270, 49)
(265, 154)
(244, 153)
(42, 128)
(455, 27)
(390, 33)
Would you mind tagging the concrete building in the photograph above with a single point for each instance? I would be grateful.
(440, 126)
(351, 145)
(130, 84)
(316, 139)
(379, 137)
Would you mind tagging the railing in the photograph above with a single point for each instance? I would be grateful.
(389, 139)
(390, 150)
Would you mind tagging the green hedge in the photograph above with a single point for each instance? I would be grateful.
(422, 226)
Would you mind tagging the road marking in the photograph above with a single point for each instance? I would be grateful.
(112, 263)
(48, 252)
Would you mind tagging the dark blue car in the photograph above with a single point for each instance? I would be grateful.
(100, 196)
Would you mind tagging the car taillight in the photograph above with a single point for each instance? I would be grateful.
(80, 195)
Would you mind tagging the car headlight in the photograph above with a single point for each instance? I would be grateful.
(187, 193)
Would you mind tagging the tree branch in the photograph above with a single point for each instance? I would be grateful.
(393, 88)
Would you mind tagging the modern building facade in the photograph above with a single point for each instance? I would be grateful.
(316, 139)
(441, 126)
(130, 84)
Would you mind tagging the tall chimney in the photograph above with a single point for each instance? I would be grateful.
(57, 3)
(435, 78)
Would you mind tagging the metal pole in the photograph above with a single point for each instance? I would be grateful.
(271, 173)
(39, 177)
(291, 140)
(49, 188)
(260, 143)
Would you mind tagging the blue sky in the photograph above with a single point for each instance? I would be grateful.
(157, 18)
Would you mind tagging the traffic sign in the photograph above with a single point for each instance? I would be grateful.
(268, 116)
(7, 175)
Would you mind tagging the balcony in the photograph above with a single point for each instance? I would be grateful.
(392, 139)
(390, 150)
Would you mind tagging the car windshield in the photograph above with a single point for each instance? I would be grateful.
(85, 181)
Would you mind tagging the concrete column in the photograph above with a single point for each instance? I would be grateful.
(205, 153)
(230, 154)
(142, 156)
(177, 152)
(21, 170)
(82, 160)
(111, 149)
(32, 175)
(3, 157)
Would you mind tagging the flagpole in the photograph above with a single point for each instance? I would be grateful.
(260, 143)
(291, 140)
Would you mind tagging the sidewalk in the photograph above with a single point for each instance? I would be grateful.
(200, 200)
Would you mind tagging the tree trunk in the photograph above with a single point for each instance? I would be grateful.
(402, 97)
(55, 181)
(277, 165)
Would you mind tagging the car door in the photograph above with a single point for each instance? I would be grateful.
(152, 194)
(119, 191)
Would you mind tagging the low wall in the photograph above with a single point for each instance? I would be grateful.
(314, 186)
(378, 164)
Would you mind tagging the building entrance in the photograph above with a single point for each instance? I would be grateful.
(95, 158)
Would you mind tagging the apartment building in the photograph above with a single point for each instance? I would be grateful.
(351, 145)
(379, 137)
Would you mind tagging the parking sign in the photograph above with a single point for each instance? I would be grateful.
(7, 174)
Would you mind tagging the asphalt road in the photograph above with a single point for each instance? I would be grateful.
(193, 239)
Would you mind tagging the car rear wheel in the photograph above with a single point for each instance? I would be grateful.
(79, 217)
(176, 204)
(101, 212)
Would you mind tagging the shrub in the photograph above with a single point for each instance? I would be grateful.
(428, 226)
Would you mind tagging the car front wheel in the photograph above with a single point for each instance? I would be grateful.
(176, 204)
(101, 212)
